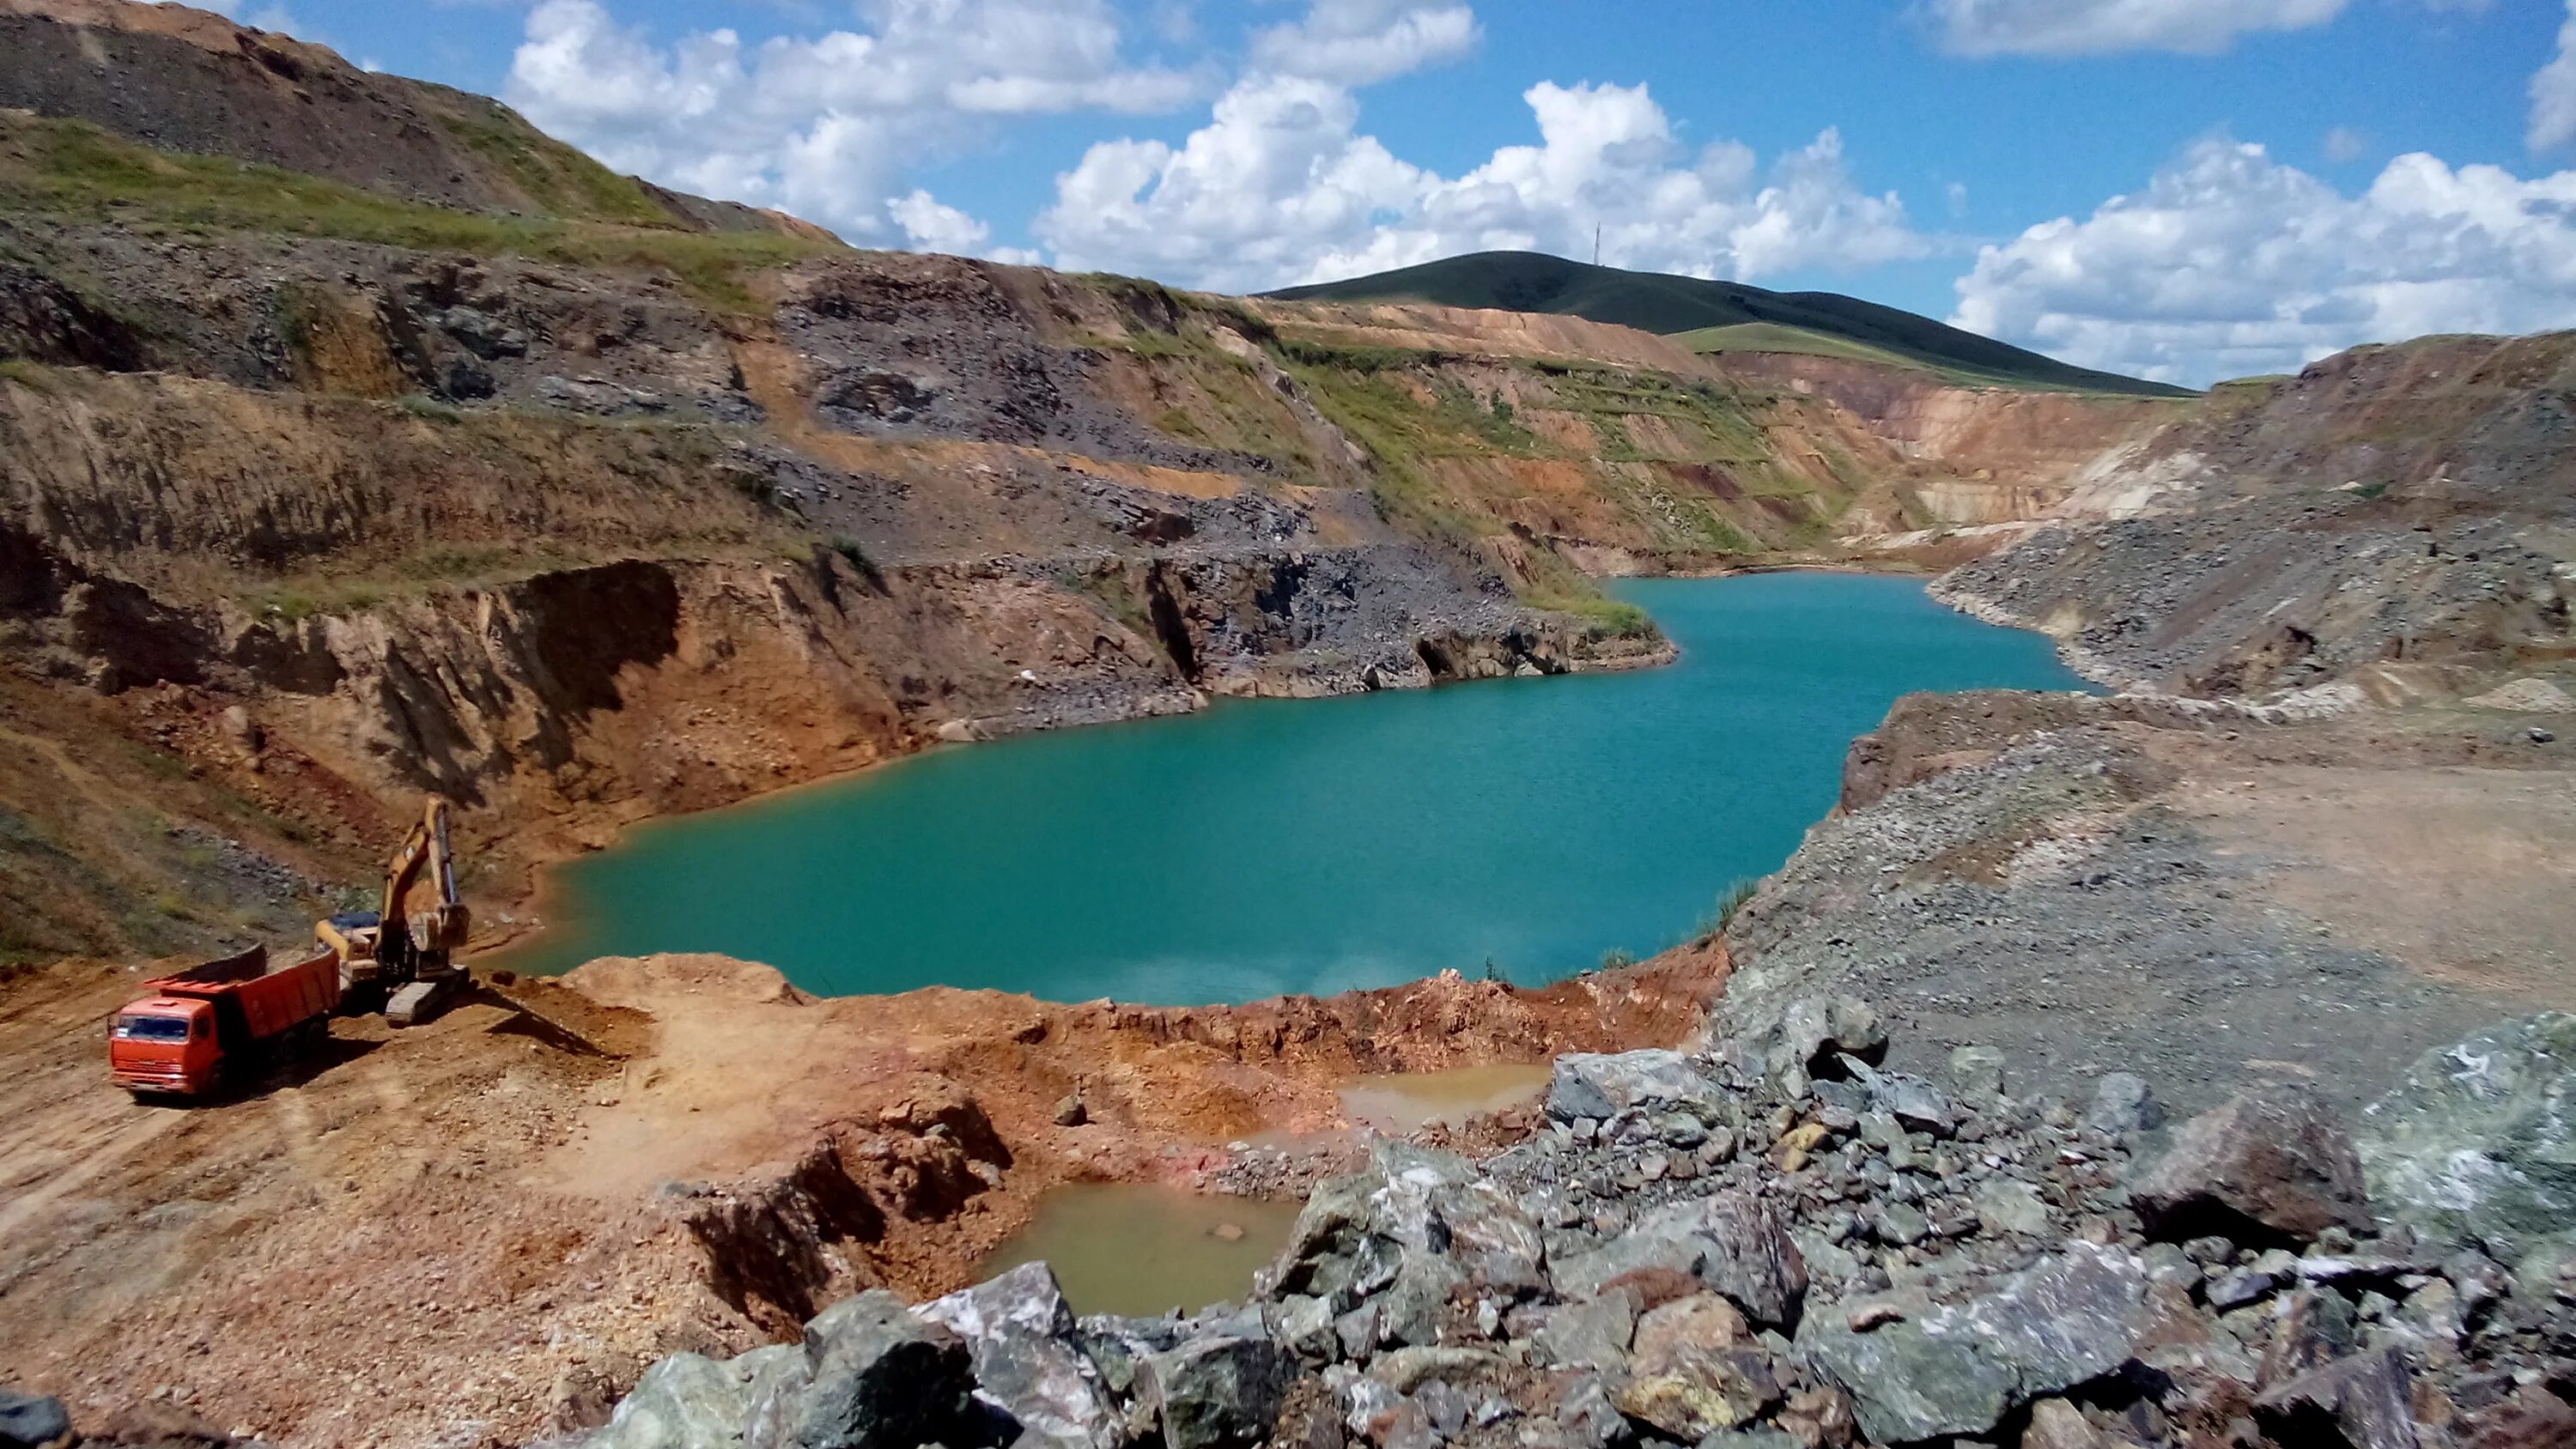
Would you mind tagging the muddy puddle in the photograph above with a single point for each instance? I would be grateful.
(1141, 1249)
(1410, 1101)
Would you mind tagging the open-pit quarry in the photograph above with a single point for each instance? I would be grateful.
(2181, 1063)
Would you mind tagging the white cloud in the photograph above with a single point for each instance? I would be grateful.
(2231, 263)
(2553, 92)
(824, 126)
(932, 225)
(1362, 42)
(2343, 144)
(1281, 187)
(2098, 27)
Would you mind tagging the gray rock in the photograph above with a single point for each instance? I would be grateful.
(1663, 1242)
(1592, 1085)
(1901, 1225)
(1118, 1344)
(1764, 1437)
(1915, 1103)
(1029, 1360)
(2239, 1286)
(2476, 1145)
(1305, 1325)
(1785, 1039)
(2122, 1102)
(1415, 1225)
(2365, 1401)
(2270, 1163)
(29, 1422)
(878, 1378)
(1732, 1242)
(2167, 1264)
(1961, 1369)
(1587, 1416)
(1905, 1383)
(1590, 1334)
(2006, 1206)
(686, 1401)
(1357, 1331)
(1977, 1072)
(1217, 1393)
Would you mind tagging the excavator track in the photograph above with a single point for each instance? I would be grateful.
(420, 1001)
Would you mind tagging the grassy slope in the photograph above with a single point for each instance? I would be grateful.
(1776, 337)
(1653, 302)
(74, 169)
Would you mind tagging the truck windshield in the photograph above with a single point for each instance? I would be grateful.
(152, 1028)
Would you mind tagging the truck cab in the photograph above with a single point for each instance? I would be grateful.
(165, 1044)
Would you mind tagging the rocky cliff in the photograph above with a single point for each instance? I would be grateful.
(2398, 519)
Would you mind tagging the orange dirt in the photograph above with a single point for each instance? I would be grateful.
(469, 1232)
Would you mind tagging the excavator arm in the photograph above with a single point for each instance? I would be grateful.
(408, 948)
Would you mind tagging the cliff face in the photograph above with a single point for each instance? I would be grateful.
(2399, 518)
(1985, 455)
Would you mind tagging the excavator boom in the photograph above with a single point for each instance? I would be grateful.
(407, 948)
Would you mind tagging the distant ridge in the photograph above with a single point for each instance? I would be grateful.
(1657, 302)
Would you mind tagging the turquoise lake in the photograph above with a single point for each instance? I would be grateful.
(1272, 846)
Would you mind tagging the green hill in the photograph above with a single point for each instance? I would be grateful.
(1655, 302)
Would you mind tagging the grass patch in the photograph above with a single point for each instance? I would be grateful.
(1603, 616)
(555, 176)
(1490, 419)
(1344, 357)
(1730, 903)
(76, 170)
(29, 374)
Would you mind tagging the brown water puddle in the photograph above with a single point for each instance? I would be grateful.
(1142, 1249)
(1406, 1102)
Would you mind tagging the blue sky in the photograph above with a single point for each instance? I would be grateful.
(2298, 175)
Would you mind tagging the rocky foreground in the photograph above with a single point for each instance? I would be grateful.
(1770, 1242)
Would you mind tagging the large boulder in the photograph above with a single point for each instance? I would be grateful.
(1731, 1241)
(1217, 1393)
(689, 1401)
(1587, 1084)
(1787, 1039)
(2366, 1401)
(29, 1422)
(2271, 1164)
(872, 1376)
(1029, 1359)
(1696, 1371)
(1411, 1232)
(2476, 1144)
(1960, 1369)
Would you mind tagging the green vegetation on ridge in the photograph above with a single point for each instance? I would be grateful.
(1655, 302)
(72, 168)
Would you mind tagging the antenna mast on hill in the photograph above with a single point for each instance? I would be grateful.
(1596, 244)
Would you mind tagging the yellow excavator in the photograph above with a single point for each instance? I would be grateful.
(405, 954)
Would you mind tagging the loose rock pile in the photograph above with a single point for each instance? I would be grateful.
(1779, 1244)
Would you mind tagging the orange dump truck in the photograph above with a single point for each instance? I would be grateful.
(191, 1030)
